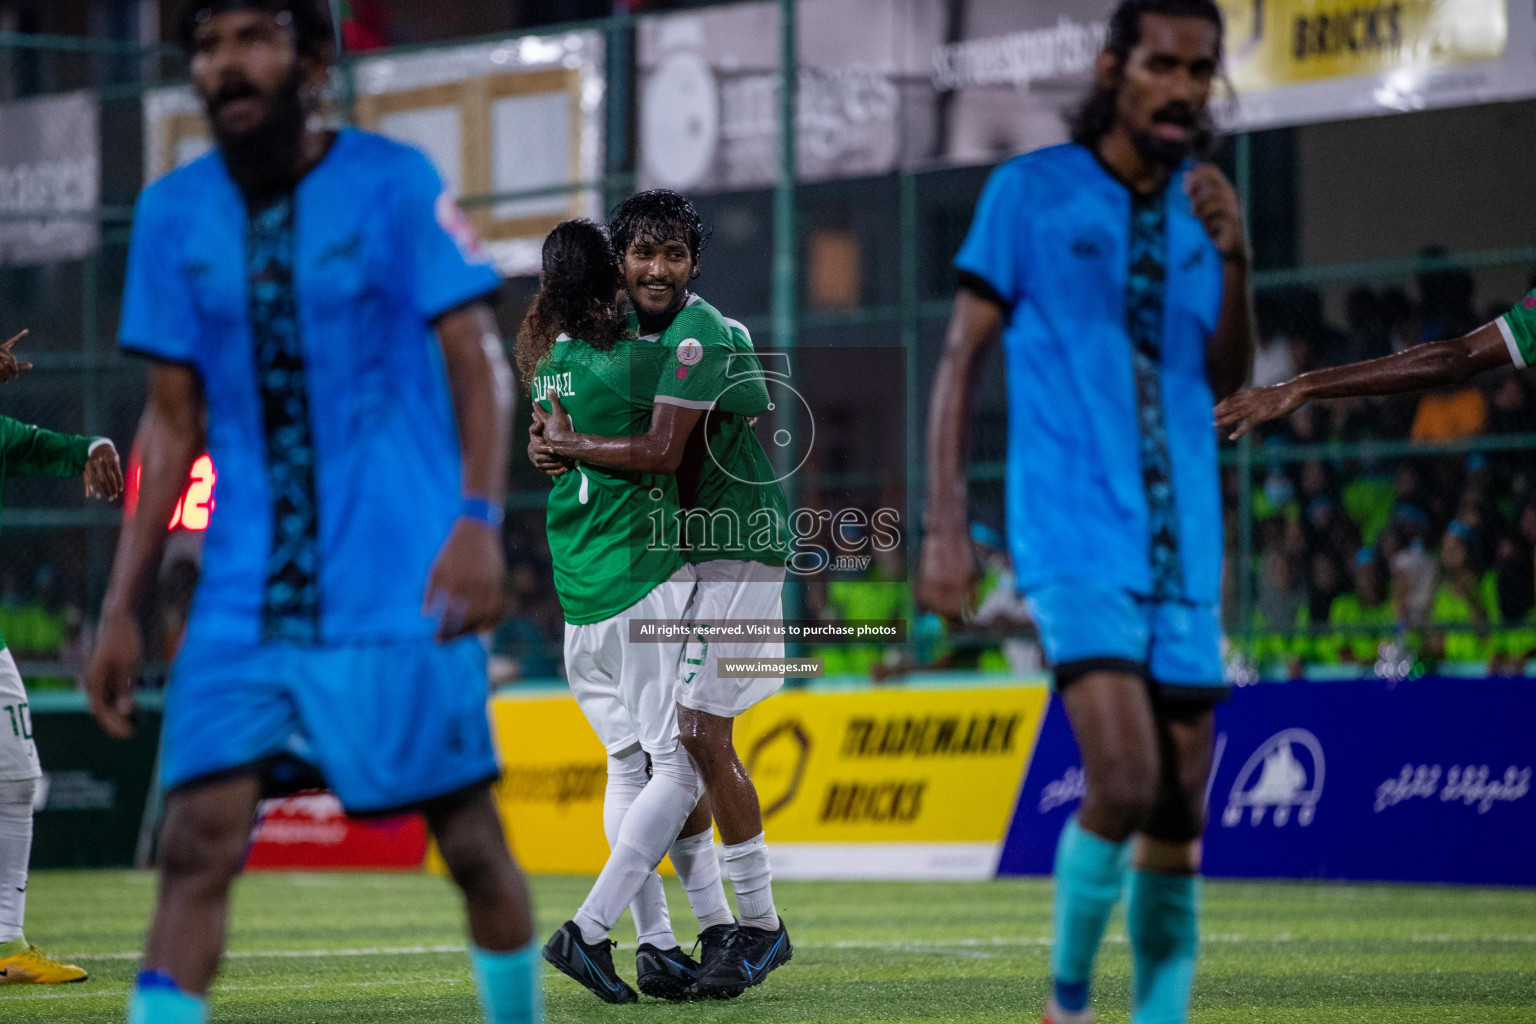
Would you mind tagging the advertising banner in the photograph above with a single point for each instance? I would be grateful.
(865, 783)
(310, 831)
(900, 783)
(50, 165)
(91, 800)
(1299, 61)
(1287, 41)
(553, 772)
(885, 85)
(1429, 780)
(1016, 68)
(709, 92)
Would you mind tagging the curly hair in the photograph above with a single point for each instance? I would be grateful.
(311, 21)
(578, 289)
(1093, 119)
(657, 216)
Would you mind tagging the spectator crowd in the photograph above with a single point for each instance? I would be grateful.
(1429, 558)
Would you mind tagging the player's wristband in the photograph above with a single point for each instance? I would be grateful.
(482, 510)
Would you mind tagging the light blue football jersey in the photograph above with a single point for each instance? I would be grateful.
(329, 417)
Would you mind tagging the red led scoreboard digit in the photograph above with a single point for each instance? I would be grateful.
(196, 502)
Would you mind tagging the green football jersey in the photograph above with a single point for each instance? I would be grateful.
(606, 526)
(733, 506)
(1519, 329)
(26, 450)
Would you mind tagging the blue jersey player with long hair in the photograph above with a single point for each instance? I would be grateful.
(316, 311)
(1115, 270)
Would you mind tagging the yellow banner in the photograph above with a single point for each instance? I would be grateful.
(883, 766)
(1282, 42)
(890, 766)
(553, 771)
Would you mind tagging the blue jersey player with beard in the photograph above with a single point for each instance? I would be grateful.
(1115, 270)
(317, 300)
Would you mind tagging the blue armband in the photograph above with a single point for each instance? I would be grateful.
(482, 510)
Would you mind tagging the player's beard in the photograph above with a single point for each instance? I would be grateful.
(264, 159)
(1157, 150)
(649, 319)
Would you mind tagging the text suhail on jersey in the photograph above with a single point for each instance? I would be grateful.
(559, 383)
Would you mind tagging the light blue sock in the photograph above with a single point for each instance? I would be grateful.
(156, 1000)
(1089, 873)
(1163, 919)
(509, 984)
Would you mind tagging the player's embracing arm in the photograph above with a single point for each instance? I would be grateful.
(689, 385)
(1509, 339)
(450, 281)
(991, 283)
(658, 450)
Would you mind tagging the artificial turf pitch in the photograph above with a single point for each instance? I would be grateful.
(375, 948)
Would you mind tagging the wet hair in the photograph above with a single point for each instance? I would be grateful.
(1093, 119)
(310, 20)
(578, 289)
(657, 216)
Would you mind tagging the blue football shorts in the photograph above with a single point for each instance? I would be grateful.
(389, 725)
(1091, 627)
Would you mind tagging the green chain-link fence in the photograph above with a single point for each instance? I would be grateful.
(1315, 506)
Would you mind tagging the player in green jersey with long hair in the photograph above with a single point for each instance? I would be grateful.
(734, 531)
(574, 348)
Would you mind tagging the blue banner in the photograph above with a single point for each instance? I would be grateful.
(1428, 780)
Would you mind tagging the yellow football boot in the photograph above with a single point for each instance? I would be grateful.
(32, 966)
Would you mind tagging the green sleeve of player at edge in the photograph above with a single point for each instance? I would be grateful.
(1519, 329)
(26, 450)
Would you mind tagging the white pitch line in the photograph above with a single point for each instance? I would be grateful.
(218, 989)
(918, 946)
(265, 954)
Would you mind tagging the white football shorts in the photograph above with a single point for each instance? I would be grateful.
(18, 753)
(732, 589)
(628, 691)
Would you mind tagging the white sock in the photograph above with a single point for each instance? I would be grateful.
(752, 881)
(698, 868)
(627, 776)
(651, 825)
(15, 852)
